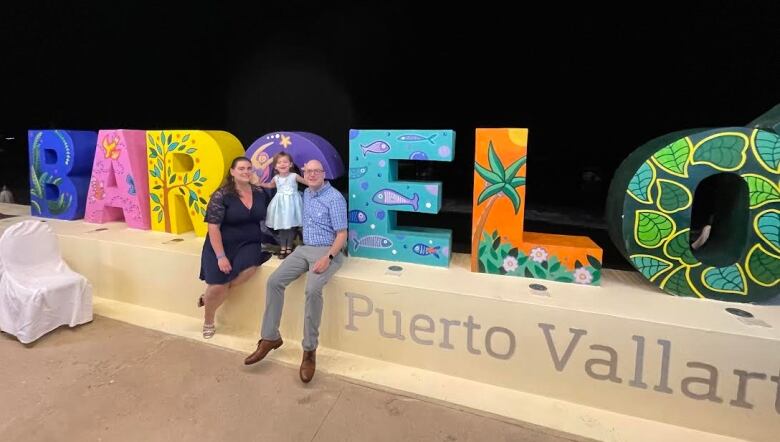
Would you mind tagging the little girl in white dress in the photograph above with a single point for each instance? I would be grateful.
(284, 212)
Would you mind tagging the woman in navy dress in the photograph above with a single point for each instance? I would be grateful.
(232, 250)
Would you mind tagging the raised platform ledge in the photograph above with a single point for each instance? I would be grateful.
(619, 362)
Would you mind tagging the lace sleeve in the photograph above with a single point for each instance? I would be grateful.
(215, 212)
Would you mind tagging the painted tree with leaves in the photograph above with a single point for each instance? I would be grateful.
(164, 179)
(500, 182)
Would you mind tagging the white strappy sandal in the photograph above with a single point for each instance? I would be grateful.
(209, 330)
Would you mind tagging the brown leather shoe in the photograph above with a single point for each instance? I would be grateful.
(263, 348)
(308, 365)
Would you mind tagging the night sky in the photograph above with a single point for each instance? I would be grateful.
(591, 83)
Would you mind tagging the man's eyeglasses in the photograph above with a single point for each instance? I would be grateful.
(313, 171)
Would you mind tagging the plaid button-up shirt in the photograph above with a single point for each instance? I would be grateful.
(324, 214)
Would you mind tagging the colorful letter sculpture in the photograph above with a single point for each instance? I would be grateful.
(375, 196)
(651, 202)
(185, 168)
(119, 188)
(60, 162)
(499, 245)
(302, 146)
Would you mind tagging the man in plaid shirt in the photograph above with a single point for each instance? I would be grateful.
(324, 236)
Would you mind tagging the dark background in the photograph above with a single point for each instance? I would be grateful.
(591, 82)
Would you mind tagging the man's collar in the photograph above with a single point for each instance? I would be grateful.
(325, 186)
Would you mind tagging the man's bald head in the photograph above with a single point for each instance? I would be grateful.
(314, 174)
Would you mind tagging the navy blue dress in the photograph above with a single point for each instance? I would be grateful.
(241, 235)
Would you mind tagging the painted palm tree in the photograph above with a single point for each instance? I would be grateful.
(500, 182)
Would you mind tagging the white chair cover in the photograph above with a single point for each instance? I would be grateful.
(38, 291)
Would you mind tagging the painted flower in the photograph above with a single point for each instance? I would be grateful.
(582, 276)
(510, 264)
(538, 254)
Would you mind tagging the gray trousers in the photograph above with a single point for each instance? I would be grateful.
(298, 263)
